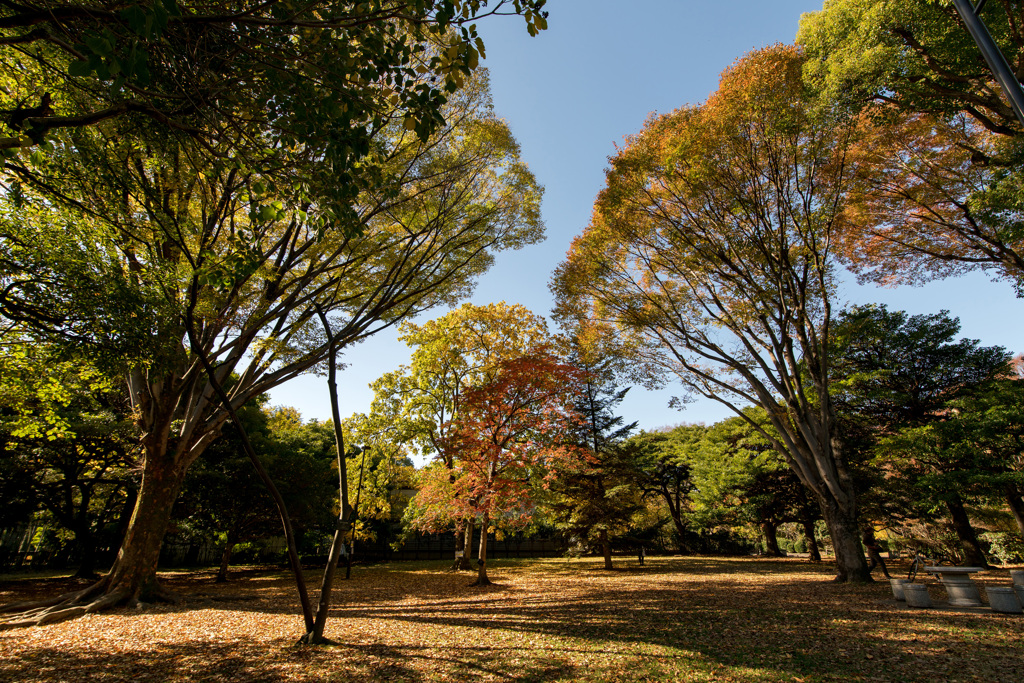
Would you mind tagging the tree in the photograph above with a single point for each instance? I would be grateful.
(738, 477)
(985, 431)
(661, 473)
(711, 249)
(896, 374)
(507, 436)
(67, 445)
(913, 54)
(382, 469)
(203, 69)
(597, 499)
(297, 456)
(460, 350)
(939, 185)
(215, 271)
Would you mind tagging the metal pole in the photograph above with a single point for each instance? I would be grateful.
(993, 55)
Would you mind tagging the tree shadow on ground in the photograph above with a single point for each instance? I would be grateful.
(689, 618)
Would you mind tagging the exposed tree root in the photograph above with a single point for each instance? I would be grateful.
(66, 606)
(312, 639)
(73, 606)
(460, 565)
(67, 598)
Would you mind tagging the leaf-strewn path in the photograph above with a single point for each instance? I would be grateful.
(701, 619)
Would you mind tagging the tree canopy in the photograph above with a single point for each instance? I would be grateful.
(712, 248)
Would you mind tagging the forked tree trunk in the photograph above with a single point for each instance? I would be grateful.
(973, 554)
(827, 478)
(606, 549)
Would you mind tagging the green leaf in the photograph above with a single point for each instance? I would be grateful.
(79, 68)
(137, 19)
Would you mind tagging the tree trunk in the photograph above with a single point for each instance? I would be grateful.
(843, 530)
(606, 549)
(86, 543)
(1016, 503)
(134, 570)
(225, 559)
(680, 531)
(973, 555)
(771, 539)
(812, 542)
(315, 634)
(463, 547)
(481, 562)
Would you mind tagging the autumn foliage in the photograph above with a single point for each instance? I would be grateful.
(504, 442)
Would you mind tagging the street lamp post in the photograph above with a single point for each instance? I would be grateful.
(992, 54)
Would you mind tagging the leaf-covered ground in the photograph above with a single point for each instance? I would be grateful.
(687, 619)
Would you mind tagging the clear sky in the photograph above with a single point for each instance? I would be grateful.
(570, 95)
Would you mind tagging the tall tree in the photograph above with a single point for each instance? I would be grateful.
(214, 268)
(597, 499)
(712, 249)
(663, 474)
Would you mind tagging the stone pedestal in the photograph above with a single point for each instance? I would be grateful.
(962, 591)
(916, 595)
(1018, 577)
(1003, 599)
(897, 588)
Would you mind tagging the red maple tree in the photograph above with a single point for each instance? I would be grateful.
(505, 440)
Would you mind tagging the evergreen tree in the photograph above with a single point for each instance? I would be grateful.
(597, 500)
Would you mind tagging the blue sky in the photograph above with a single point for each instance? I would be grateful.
(570, 95)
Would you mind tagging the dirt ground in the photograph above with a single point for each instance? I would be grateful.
(687, 619)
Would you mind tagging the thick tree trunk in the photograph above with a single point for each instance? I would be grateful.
(481, 562)
(844, 532)
(1016, 503)
(973, 554)
(134, 570)
(606, 549)
(812, 542)
(680, 532)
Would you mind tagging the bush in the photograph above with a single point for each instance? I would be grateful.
(1007, 548)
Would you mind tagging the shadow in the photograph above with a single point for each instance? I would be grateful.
(688, 618)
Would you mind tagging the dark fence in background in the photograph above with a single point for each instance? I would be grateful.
(21, 549)
(442, 547)
(418, 547)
